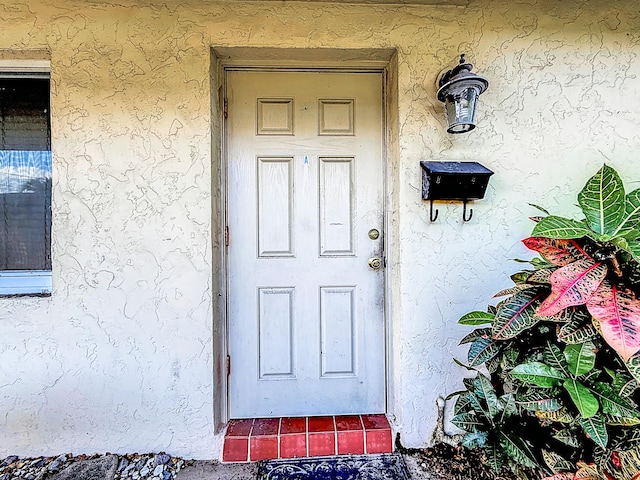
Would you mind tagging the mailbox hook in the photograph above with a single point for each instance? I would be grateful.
(464, 212)
(433, 217)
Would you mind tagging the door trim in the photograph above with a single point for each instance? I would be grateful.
(226, 59)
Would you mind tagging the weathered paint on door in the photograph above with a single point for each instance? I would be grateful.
(305, 187)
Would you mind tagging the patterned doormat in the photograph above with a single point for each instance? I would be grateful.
(387, 466)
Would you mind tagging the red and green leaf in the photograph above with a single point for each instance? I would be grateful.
(560, 476)
(587, 472)
(572, 285)
(517, 314)
(618, 313)
(560, 252)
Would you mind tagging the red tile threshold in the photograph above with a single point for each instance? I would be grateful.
(251, 440)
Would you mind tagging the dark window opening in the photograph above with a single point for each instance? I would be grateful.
(25, 174)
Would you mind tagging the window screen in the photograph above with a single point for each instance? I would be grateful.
(25, 174)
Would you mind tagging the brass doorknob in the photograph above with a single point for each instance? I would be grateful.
(375, 263)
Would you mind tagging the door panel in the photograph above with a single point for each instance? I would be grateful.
(305, 186)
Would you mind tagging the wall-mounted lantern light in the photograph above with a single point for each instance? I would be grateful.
(459, 89)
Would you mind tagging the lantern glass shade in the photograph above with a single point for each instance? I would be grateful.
(460, 107)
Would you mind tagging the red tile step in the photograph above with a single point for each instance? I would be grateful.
(254, 439)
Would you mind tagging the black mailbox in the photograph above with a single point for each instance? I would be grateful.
(454, 181)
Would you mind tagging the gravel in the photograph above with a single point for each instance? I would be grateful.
(151, 466)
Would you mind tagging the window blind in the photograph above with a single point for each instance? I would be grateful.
(25, 174)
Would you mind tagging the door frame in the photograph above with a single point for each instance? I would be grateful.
(226, 59)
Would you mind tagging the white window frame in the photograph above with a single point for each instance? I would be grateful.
(25, 282)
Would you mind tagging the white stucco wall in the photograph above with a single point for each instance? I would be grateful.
(121, 357)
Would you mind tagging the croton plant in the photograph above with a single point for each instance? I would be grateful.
(557, 361)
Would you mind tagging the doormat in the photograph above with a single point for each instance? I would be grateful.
(386, 466)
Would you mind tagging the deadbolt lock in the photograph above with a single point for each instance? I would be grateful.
(374, 234)
(375, 263)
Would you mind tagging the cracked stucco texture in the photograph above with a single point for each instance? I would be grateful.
(121, 357)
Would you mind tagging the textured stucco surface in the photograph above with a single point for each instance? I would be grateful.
(121, 357)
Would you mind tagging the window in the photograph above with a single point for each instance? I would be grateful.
(25, 184)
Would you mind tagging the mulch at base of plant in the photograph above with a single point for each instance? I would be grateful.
(445, 462)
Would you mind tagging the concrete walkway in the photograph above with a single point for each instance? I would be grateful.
(219, 471)
(248, 471)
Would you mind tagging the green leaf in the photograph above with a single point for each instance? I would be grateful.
(633, 247)
(561, 416)
(517, 450)
(468, 383)
(478, 406)
(553, 357)
(538, 207)
(542, 277)
(521, 277)
(592, 376)
(454, 394)
(494, 456)
(485, 390)
(621, 421)
(474, 439)
(581, 358)
(556, 462)
(633, 365)
(540, 264)
(630, 225)
(510, 358)
(626, 439)
(538, 373)
(624, 385)
(539, 399)
(582, 397)
(603, 201)
(513, 290)
(614, 404)
(517, 314)
(493, 364)
(596, 429)
(466, 421)
(476, 318)
(463, 403)
(508, 405)
(482, 350)
(560, 227)
(476, 334)
(578, 329)
(567, 437)
(467, 367)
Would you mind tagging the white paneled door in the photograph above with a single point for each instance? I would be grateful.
(305, 219)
